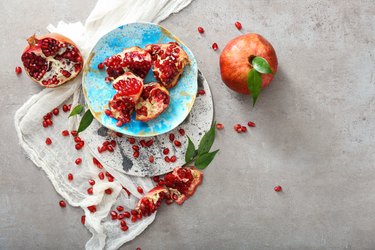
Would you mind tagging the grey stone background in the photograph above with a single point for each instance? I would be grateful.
(314, 134)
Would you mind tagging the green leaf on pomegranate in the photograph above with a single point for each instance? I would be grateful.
(190, 151)
(207, 140)
(205, 159)
(254, 83)
(85, 121)
(77, 110)
(261, 65)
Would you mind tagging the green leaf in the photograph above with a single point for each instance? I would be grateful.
(261, 65)
(85, 121)
(207, 140)
(204, 160)
(254, 83)
(190, 151)
(77, 110)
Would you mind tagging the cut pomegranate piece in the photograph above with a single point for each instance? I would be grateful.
(51, 60)
(182, 183)
(168, 62)
(132, 59)
(151, 201)
(154, 100)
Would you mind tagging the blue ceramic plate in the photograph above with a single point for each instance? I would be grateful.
(98, 92)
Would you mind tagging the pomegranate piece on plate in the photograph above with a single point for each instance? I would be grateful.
(129, 88)
(134, 59)
(51, 60)
(152, 200)
(154, 100)
(168, 62)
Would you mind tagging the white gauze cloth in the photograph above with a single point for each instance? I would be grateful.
(57, 159)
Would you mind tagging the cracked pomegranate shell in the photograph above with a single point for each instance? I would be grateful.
(168, 62)
(51, 60)
(154, 101)
(134, 59)
(151, 201)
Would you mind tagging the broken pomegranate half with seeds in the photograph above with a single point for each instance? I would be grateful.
(51, 60)
(154, 100)
(152, 200)
(168, 62)
(182, 183)
(129, 88)
(132, 59)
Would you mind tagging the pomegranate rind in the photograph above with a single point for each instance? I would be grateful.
(154, 107)
(158, 60)
(33, 46)
(154, 198)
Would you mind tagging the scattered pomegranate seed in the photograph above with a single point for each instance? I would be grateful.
(78, 161)
(49, 122)
(121, 216)
(134, 212)
(140, 189)
(83, 219)
(156, 178)
(151, 159)
(45, 124)
(124, 228)
(113, 143)
(167, 159)
(171, 137)
(200, 30)
(55, 111)
(120, 208)
(91, 182)
(65, 108)
(90, 190)
(111, 178)
(136, 154)
(127, 191)
(237, 127)
(149, 143)
(97, 163)
(131, 140)
(173, 158)
(215, 46)
(219, 126)
(181, 131)
(135, 147)
(79, 145)
(278, 188)
(143, 143)
(123, 223)
(139, 216)
(127, 215)
(177, 143)
(73, 132)
(113, 215)
(108, 191)
(48, 141)
(251, 124)
(77, 139)
(238, 25)
(101, 175)
(92, 208)
(18, 70)
(101, 66)
(201, 92)
(65, 133)
(134, 218)
(62, 203)
(70, 176)
(243, 129)
(166, 151)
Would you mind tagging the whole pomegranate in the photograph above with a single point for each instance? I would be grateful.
(51, 60)
(237, 60)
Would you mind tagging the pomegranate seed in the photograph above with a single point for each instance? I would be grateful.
(177, 143)
(70, 176)
(91, 182)
(243, 129)
(181, 131)
(97, 163)
(113, 143)
(140, 190)
(79, 145)
(45, 124)
(124, 228)
(135, 147)
(110, 148)
(101, 66)
(127, 215)
(65, 133)
(83, 219)
(238, 25)
(139, 216)
(215, 46)
(101, 175)
(200, 30)
(127, 191)
(121, 216)
(78, 161)
(171, 137)
(151, 159)
(237, 127)
(69, 107)
(143, 143)
(173, 158)
(108, 191)
(123, 223)
(73, 132)
(149, 143)
(62, 203)
(48, 141)
(110, 178)
(136, 154)
(90, 191)
(49, 122)
(251, 124)
(138, 248)
(114, 215)
(77, 139)
(134, 219)
(167, 159)
(201, 92)
(92, 208)
(156, 178)
(131, 140)
(219, 126)
(278, 188)
(134, 212)
(120, 208)
(108, 112)
(18, 70)
(65, 108)
(55, 111)
(107, 79)
(168, 202)
(166, 151)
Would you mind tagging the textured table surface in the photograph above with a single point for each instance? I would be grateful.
(314, 134)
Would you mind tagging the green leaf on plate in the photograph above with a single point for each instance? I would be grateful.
(261, 65)
(254, 83)
(207, 140)
(85, 121)
(190, 151)
(77, 110)
(205, 159)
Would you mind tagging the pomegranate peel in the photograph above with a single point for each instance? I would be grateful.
(151, 201)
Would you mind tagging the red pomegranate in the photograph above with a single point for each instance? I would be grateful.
(51, 60)
(236, 61)
(151, 201)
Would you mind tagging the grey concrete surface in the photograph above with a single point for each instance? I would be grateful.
(314, 134)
